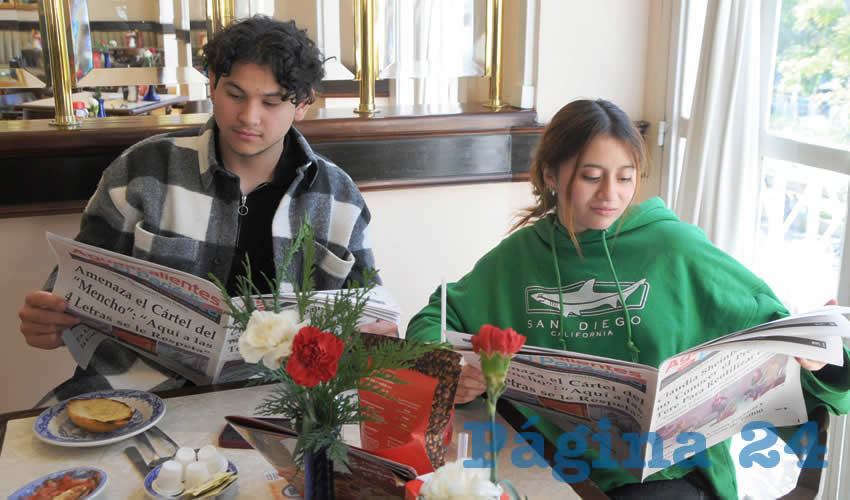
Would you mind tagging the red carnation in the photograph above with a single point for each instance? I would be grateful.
(314, 356)
(492, 340)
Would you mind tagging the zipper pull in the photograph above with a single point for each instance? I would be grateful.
(243, 208)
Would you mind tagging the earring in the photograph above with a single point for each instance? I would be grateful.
(553, 192)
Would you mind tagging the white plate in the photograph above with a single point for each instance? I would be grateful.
(54, 426)
(77, 473)
(151, 477)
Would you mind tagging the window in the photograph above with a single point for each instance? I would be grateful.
(802, 244)
(806, 152)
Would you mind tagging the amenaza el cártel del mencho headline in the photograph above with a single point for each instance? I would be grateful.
(172, 317)
(182, 291)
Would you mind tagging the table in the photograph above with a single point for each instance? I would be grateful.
(113, 101)
(24, 457)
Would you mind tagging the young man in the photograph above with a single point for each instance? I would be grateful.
(200, 200)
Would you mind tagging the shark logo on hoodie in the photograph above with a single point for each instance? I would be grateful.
(587, 298)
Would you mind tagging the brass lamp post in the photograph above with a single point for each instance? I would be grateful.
(367, 56)
(220, 13)
(56, 16)
(495, 14)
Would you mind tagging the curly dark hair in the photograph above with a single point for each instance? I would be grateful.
(294, 59)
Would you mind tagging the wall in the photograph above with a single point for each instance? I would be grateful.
(592, 50)
(123, 10)
(27, 373)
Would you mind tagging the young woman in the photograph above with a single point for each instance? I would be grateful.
(583, 250)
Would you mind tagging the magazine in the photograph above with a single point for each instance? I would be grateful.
(713, 389)
(369, 476)
(174, 318)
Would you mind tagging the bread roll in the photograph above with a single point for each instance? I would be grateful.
(99, 414)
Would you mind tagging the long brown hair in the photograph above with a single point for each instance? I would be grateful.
(567, 136)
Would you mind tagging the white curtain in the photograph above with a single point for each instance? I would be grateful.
(720, 179)
(426, 46)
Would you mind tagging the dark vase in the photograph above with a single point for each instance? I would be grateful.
(101, 109)
(107, 60)
(150, 95)
(318, 476)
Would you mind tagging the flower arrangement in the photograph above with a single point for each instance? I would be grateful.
(94, 101)
(148, 57)
(314, 354)
(106, 47)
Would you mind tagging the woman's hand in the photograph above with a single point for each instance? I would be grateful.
(470, 386)
(810, 364)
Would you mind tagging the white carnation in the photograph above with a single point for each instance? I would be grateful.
(453, 481)
(269, 336)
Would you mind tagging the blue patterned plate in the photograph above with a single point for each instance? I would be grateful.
(54, 426)
(77, 473)
(152, 475)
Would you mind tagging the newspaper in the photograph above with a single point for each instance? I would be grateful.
(713, 389)
(173, 318)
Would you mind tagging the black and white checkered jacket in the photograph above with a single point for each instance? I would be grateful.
(169, 200)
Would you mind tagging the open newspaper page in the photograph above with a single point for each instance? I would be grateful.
(713, 389)
(718, 387)
(571, 389)
(172, 317)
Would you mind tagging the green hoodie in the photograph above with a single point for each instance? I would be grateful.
(680, 289)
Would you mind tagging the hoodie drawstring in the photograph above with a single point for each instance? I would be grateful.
(560, 292)
(632, 346)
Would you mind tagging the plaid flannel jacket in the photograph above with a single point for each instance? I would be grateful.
(169, 200)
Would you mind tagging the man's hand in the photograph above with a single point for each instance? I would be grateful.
(43, 318)
(471, 384)
(380, 327)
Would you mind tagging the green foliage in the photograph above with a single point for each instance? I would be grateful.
(814, 44)
(813, 71)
